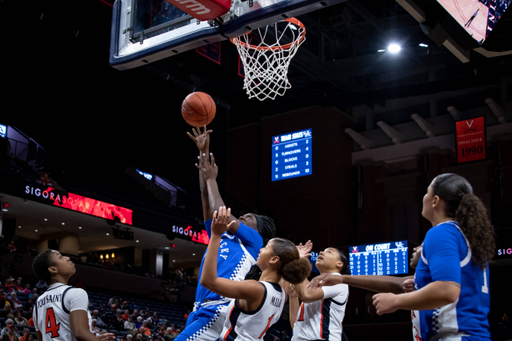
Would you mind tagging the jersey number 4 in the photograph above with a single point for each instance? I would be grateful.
(51, 324)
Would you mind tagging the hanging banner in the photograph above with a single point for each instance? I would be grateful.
(210, 51)
(470, 139)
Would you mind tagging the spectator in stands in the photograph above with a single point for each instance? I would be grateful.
(28, 305)
(112, 301)
(95, 315)
(5, 300)
(149, 324)
(169, 334)
(41, 286)
(27, 289)
(34, 292)
(20, 320)
(126, 315)
(139, 337)
(94, 326)
(9, 324)
(16, 303)
(135, 314)
(138, 324)
(144, 330)
(11, 334)
(9, 286)
(26, 333)
(129, 324)
(7, 310)
(19, 286)
(30, 337)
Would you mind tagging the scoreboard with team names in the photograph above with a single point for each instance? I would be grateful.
(292, 155)
(379, 259)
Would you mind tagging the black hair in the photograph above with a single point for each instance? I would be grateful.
(345, 270)
(41, 264)
(293, 268)
(469, 211)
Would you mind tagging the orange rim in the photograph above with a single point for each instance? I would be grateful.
(294, 21)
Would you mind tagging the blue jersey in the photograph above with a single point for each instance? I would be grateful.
(446, 256)
(237, 254)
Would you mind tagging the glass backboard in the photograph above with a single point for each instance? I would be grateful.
(146, 31)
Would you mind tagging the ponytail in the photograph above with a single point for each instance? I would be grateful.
(293, 268)
(473, 221)
(296, 271)
(469, 211)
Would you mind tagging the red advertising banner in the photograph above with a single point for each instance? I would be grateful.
(470, 139)
(79, 203)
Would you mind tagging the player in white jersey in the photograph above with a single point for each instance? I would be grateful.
(320, 316)
(452, 278)
(61, 313)
(258, 304)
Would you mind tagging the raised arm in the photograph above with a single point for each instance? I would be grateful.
(210, 170)
(293, 300)
(202, 141)
(248, 290)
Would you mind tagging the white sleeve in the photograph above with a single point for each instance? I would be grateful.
(76, 299)
(34, 314)
(335, 290)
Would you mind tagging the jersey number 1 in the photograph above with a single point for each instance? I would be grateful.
(51, 324)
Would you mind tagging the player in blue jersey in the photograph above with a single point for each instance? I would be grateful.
(239, 248)
(258, 304)
(451, 300)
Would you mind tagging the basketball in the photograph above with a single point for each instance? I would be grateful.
(198, 109)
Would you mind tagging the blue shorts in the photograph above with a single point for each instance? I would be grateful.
(204, 324)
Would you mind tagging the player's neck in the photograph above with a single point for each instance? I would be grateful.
(268, 275)
(58, 279)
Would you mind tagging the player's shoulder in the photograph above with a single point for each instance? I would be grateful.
(446, 229)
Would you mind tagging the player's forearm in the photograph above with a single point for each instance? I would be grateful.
(207, 213)
(294, 309)
(375, 283)
(431, 296)
(214, 197)
(209, 275)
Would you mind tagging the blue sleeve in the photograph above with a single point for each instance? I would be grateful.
(251, 238)
(208, 225)
(441, 249)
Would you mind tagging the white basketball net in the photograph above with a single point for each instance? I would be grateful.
(266, 64)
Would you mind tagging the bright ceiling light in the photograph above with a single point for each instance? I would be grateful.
(394, 48)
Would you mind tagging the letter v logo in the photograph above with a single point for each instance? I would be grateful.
(469, 125)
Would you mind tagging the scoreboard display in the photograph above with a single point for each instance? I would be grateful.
(379, 259)
(292, 155)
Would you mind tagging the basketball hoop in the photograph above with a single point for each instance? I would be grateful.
(266, 63)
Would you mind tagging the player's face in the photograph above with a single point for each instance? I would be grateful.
(265, 254)
(428, 199)
(63, 264)
(415, 257)
(328, 259)
(249, 220)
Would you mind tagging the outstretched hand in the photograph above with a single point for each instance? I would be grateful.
(221, 220)
(207, 166)
(324, 279)
(202, 139)
(106, 336)
(305, 250)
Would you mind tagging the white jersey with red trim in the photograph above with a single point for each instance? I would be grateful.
(52, 309)
(322, 319)
(252, 326)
